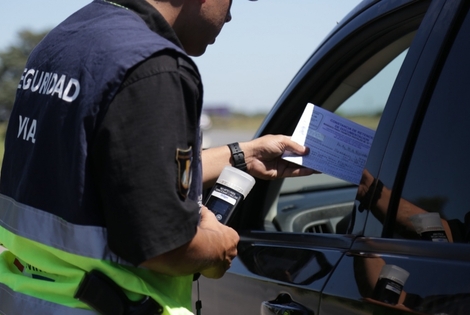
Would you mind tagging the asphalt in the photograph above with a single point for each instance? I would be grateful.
(218, 137)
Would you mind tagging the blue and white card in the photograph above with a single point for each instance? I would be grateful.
(338, 147)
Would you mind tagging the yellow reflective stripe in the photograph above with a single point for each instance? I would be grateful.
(174, 293)
(68, 269)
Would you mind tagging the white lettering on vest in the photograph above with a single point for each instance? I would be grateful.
(73, 84)
(27, 130)
(27, 79)
(36, 86)
(49, 83)
(22, 78)
(45, 82)
(52, 83)
(59, 87)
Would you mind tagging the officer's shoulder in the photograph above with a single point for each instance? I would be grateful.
(173, 60)
(166, 61)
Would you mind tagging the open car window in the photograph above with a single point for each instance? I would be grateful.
(321, 203)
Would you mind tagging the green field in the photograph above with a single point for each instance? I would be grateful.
(238, 121)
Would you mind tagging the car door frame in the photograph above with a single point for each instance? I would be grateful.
(389, 159)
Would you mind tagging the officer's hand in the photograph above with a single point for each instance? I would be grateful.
(263, 157)
(224, 239)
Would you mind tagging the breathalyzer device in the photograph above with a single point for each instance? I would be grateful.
(232, 186)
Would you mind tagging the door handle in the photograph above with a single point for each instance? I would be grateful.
(284, 305)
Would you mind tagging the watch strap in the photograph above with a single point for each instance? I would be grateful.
(238, 156)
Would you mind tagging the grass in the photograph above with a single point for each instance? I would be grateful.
(243, 122)
(369, 121)
(237, 122)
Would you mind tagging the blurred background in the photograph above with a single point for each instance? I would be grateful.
(244, 72)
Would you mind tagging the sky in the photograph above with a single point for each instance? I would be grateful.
(253, 59)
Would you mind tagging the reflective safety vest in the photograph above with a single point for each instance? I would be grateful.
(50, 221)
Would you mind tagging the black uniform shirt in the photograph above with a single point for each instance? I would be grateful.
(155, 113)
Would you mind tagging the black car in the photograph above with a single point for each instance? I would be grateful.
(319, 245)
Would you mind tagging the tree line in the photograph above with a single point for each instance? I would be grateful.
(12, 63)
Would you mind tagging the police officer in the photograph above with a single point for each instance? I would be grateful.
(103, 164)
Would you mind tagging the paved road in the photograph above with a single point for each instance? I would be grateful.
(218, 137)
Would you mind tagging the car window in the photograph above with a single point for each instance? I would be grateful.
(321, 203)
(435, 190)
(366, 105)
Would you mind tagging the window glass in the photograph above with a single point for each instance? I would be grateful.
(367, 104)
(322, 203)
(438, 177)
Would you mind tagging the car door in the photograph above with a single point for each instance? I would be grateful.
(293, 233)
(422, 163)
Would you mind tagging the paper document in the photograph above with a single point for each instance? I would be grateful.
(338, 146)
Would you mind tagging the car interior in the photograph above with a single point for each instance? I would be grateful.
(346, 80)
(305, 205)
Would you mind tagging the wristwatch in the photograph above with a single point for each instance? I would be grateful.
(238, 156)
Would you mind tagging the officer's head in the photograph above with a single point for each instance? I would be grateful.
(197, 23)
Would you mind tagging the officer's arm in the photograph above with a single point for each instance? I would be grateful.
(210, 252)
(262, 157)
